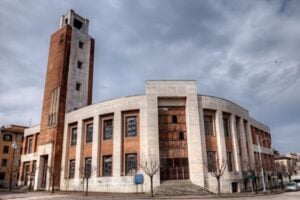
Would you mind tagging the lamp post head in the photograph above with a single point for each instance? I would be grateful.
(14, 145)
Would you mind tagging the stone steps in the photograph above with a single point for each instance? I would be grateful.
(180, 187)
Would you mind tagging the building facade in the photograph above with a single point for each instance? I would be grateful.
(171, 124)
(288, 166)
(11, 140)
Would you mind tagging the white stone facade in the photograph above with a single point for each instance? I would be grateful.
(149, 137)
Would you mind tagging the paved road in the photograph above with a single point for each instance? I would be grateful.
(77, 196)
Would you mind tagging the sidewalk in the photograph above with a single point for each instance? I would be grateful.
(95, 195)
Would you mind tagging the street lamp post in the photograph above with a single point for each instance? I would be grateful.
(14, 147)
(262, 168)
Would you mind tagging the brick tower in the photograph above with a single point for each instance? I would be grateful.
(68, 86)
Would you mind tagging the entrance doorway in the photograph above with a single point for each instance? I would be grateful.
(44, 168)
(173, 143)
(234, 186)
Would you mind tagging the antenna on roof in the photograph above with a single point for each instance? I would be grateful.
(29, 124)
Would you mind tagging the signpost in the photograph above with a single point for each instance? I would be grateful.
(138, 180)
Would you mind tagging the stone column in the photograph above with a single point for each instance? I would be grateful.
(235, 143)
(80, 136)
(195, 139)
(250, 145)
(220, 137)
(95, 147)
(117, 135)
(245, 158)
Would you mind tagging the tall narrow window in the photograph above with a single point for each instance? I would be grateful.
(2, 176)
(80, 45)
(131, 127)
(108, 129)
(89, 133)
(78, 86)
(52, 117)
(181, 136)
(226, 126)
(174, 119)
(79, 64)
(107, 166)
(229, 161)
(5, 149)
(131, 163)
(4, 162)
(211, 161)
(72, 169)
(208, 125)
(29, 145)
(88, 167)
(73, 136)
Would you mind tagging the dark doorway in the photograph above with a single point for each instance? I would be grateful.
(44, 168)
(234, 186)
(173, 143)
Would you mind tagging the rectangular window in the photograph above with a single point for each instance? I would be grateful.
(73, 136)
(79, 64)
(229, 161)
(78, 85)
(131, 128)
(108, 129)
(226, 126)
(88, 167)
(208, 125)
(4, 162)
(131, 163)
(89, 133)
(2, 176)
(5, 149)
(80, 45)
(29, 145)
(107, 166)
(211, 161)
(72, 169)
(7, 137)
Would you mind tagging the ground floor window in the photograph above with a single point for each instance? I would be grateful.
(131, 163)
(88, 167)
(72, 169)
(211, 161)
(107, 166)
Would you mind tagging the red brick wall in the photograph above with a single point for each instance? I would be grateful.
(130, 144)
(57, 73)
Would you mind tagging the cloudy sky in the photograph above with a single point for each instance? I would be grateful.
(244, 51)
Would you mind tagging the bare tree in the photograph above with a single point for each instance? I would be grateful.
(86, 173)
(150, 166)
(216, 168)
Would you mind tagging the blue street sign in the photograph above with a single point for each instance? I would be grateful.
(139, 179)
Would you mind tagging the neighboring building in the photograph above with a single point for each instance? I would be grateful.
(288, 165)
(29, 159)
(171, 123)
(11, 138)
